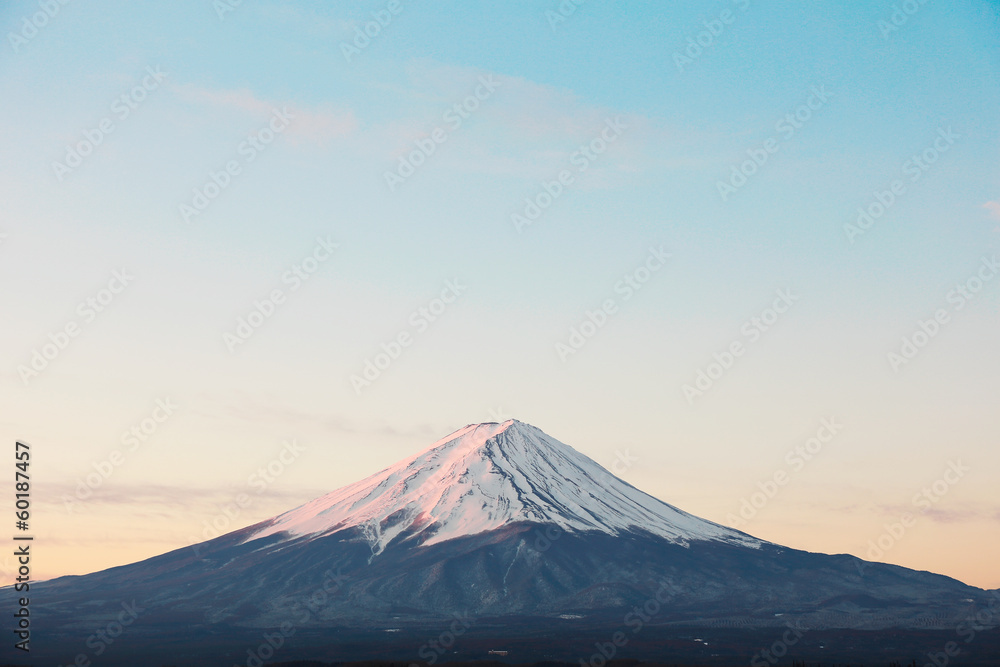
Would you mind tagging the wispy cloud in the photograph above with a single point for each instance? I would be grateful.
(994, 208)
(958, 514)
(525, 129)
(165, 500)
(250, 409)
(307, 19)
(310, 125)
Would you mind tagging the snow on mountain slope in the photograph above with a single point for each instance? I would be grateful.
(485, 476)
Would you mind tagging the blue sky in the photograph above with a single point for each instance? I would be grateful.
(493, 351)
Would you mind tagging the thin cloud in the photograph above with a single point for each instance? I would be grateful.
(246, 409)
(148, 498)
(994, 209)
(941, 515)
(522, 129)
(308, 125)
(306, 19)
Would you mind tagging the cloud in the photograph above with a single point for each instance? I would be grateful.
(961, 514)
(515, 128)
(308, 125)
(953, 515)
(994, 208)
(529, 130)
(250, 409)
(307, 20)
(242, 99)
(521, 129)
(153, 499)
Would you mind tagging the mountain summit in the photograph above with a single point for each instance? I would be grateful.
(486, 476)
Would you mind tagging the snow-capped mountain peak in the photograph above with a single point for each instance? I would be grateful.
(483, 477)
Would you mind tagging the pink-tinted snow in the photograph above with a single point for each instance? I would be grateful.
(485, 476)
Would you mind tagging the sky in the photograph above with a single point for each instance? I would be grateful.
(744, 255)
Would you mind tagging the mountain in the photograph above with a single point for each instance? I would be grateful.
(500, 525)
(482, 478)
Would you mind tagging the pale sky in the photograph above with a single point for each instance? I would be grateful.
(562, 219)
